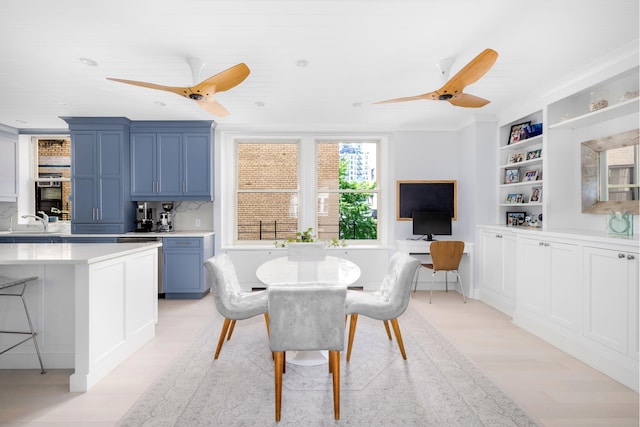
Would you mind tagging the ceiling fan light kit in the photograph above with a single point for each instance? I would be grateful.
(452, 91)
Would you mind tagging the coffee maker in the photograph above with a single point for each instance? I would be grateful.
(144, 218)
(164, 224)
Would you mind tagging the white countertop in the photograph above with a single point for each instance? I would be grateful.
(31, 233)
(67, 253)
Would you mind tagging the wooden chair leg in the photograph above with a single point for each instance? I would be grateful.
(231, 327)
(352, 333)
(386, 327)
(223, 334)
(396, 330)
(334, 361)
(266, 319)
(277, 373)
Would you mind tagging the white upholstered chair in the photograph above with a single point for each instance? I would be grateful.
(388, 302)
(307, 317)
(231, 301)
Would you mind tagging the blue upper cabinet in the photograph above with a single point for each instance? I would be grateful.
(100, 186)
(172, 160)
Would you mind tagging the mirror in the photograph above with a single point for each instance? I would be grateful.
(610, 174)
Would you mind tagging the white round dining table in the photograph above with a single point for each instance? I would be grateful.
(330, 270)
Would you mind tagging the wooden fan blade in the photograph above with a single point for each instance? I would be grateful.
(213, 107)
(182, 91)
(225, 80)
(469, 101)
(470, 73)
(430, 95)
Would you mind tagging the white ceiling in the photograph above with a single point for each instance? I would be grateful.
(358, 51)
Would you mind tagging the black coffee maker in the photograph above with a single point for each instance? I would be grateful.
(144, 218)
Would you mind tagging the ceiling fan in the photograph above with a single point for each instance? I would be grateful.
(204, 91)
(452, 91)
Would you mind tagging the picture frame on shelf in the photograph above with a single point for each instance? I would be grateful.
(516, 157)
(536, 195)
(534, 154)
(530, 175)
(518, 132)
(515, 219)
(511, 175)
(514, 198)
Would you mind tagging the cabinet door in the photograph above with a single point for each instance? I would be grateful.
(8, 169)
(182, 271)
(607, 276)
(532, 280)
(170, 164)
(197, 165)
(491, 261)
(84, 180)
(111, 189)
(143, 165)
(562, 284)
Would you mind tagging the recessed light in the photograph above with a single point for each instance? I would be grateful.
(259, 104)
(88, 61)
(357, 104)
(160, 104)
(22, 122)
(302, 63)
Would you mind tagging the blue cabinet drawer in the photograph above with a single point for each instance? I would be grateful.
(181, 243)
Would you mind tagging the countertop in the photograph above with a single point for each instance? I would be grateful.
(37, 233)
(68, 253)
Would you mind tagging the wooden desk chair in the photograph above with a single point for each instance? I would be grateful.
(302, 318)
(231, 301)
(445, 256)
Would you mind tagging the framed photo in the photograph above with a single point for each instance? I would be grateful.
(514, 198)
(518, 132)
(531, 175)
(515, 219)
(536, 195)
(516, 157)
(510, 175)
(534, 154)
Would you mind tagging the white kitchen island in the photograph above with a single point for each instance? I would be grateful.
(92, 306)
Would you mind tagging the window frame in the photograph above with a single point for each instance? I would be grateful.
(307, 217)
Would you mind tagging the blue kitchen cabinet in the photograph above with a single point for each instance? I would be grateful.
(183, 271)
(30, 239)
(100, 189)
(171, 161)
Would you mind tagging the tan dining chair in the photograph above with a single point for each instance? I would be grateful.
(231, 301)
(445, 256)
(388, 303)
(306, 317)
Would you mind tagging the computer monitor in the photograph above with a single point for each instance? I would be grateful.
(429, 223)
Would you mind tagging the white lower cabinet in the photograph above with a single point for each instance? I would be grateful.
(611, 298)
(548, 280)
(498, 269)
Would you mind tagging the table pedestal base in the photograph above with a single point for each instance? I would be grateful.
(308, 358)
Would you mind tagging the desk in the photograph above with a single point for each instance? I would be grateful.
(331, 270)
(421, 247)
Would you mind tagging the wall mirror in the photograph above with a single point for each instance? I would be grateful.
(610, 174)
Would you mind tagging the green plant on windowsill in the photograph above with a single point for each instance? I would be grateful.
(308, 236)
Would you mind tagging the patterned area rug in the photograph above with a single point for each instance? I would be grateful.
(436, 386)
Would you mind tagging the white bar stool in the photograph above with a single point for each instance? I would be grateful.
(6, 283)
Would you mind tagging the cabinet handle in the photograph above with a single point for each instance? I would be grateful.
(621, 256)
(547, 244)
(630, 257)
(498, 236)
(540, 243)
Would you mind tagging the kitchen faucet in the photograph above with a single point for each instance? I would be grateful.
(44, 220)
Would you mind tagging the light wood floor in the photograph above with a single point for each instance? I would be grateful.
(552, 386)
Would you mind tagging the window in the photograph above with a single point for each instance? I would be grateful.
(267, 190)
(283, 185)
(347, 191)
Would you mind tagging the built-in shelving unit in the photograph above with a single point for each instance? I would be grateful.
(520, 174)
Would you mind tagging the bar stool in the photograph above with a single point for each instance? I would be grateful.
(6, 283)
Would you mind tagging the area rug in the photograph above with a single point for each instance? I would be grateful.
(436, 386)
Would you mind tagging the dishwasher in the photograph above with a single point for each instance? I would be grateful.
(142, 239)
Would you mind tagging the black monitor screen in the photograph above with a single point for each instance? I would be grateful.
(429, 223)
